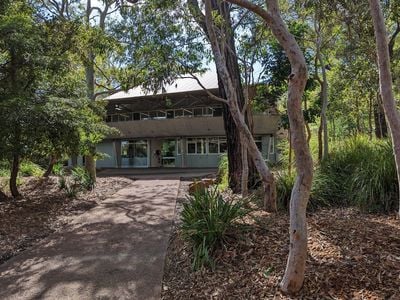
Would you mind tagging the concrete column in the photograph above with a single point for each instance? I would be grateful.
(183, 148)
(117, 147)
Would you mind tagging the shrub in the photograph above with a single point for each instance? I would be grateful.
(223, 172)
(359, 172)
(206, 221)
(28, 168)
(58, 169)
(81, 177)
(284, 186)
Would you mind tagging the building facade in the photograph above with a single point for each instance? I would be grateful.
(180, 126)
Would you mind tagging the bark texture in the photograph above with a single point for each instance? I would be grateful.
(234, 150)
(230, 85)
(13, 176)
(385, 81)
(294, 274)
(49, 170)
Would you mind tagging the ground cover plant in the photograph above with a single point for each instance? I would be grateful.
(208, 220)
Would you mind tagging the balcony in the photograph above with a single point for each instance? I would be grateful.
(185, 125)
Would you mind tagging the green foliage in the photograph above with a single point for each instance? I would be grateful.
(284, 186)
(81, 177)
(359, 172)
(28, 168)
(223, 173)
(206, 223)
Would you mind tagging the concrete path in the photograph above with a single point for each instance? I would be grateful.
(114, 251)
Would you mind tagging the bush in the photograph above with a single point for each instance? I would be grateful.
(284, 186)
(358, 172)
(81, 177)
(28, 168)
(223, 173)
(206, 221)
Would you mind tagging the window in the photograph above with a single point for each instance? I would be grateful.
(179, 146)
(136, 116)
(258, 141)
(108, 118)
(144, 116)
(222, 146)
(170, 114)
(178, 113)
(208, 111)
(114, 118)
(271, 145)
(196, 146)
(188, 113)
(191, 146)
(217, 112)
(198, 112)
(213, 146)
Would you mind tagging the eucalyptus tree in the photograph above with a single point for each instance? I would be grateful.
(385, 81)
(295, 268)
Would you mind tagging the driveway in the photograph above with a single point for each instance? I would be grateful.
(114, 251)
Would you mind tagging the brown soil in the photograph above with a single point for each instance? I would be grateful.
(351, 256)
(45, 209)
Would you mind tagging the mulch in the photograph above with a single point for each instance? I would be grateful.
(44, 209)
(351, 256)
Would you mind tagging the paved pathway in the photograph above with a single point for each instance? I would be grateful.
(114, 251)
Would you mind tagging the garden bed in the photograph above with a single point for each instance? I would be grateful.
(351, 256)
(45, 209)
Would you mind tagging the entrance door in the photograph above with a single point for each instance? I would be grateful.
(168, 153)
(135, 154)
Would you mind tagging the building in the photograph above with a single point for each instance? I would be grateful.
(180, 126)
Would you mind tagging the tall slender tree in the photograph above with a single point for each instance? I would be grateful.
(385, 81)
(295, 269)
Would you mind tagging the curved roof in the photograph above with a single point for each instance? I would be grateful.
(185, 84)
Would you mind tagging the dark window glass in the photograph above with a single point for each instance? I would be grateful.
(187, 112)
(222, 146)
(213, 146)
(114, 118)
(136, 116)
(217, 112)
(170, 114)
(198, 112)
(191, 147)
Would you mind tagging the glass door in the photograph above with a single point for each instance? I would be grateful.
(168, 153)
(134, 154)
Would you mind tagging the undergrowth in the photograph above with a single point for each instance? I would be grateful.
(207, 221)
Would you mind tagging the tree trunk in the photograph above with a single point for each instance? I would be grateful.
(245, 170)
(231, 89)
(370, 106)
(290, 153)
(234, 150)
(295, 268)
(324, 123)
(385, 82)
(320, 145)
(379, 118)
(14, 175)
(49, 170)
(90, 162)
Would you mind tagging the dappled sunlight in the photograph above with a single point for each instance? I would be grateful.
(114, 249)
